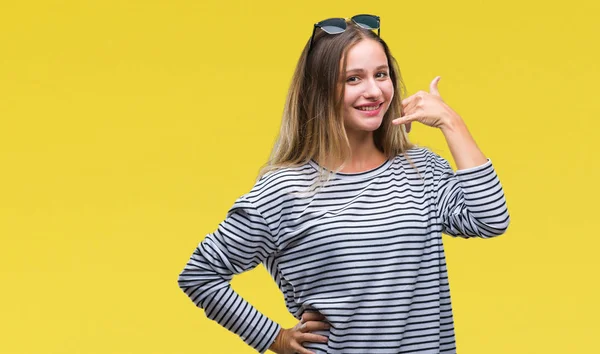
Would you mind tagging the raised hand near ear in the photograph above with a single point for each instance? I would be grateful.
(427, 108)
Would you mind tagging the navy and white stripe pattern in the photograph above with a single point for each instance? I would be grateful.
(366, 252)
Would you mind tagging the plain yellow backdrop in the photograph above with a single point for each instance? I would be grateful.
(128, 128)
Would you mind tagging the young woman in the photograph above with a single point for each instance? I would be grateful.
(348, 215)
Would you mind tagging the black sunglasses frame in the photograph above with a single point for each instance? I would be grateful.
(339, 25)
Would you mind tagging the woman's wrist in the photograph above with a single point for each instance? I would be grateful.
(276, 346)
(452, 123)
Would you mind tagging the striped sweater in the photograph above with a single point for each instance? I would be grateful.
(366, 252)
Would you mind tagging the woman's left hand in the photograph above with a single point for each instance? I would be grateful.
(427, 108)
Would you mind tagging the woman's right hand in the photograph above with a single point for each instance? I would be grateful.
(289, 341)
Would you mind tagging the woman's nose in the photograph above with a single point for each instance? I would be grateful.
(372, 89)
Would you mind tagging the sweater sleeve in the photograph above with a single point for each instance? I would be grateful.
(470, 202)
(240, 243)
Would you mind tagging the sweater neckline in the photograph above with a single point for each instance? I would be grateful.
(356, 175)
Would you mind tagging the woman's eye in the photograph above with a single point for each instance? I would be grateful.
(379, 75)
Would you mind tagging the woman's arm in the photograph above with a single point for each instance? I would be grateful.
(471, 201)
(240, 243)
(464, 150)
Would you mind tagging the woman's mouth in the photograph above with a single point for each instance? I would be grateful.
(370, 110)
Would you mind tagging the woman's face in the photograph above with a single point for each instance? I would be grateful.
(368, 87)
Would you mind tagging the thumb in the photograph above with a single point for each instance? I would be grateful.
(433, 86)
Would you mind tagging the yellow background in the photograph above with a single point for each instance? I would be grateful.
(128, 128)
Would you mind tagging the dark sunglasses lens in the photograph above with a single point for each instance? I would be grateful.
(366, 21)
(333, 25)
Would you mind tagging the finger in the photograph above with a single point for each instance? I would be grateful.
(311, 316)
(299, 349)
(410, 107)
(409, 99)
(406, 119)
(313, 338)
(407, 124)
(312, 326)
(433, 89)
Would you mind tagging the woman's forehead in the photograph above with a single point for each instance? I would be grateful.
(364, 55)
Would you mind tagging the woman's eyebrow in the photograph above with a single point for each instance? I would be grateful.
(363, 70)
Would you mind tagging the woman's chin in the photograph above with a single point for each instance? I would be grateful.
(372, 123)
(365, 126)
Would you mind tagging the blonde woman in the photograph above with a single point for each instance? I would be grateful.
(348, 215)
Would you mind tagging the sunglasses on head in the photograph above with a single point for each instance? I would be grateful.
(338, 25)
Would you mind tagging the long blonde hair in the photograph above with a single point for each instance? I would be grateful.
(312, 125)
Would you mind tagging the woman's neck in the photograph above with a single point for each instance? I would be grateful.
(365, 155)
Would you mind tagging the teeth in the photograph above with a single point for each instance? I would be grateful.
(372, 108)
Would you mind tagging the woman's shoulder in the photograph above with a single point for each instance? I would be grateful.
(283, 181)
(421, 157)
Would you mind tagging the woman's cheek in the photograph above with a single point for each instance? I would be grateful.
(352, 94)
(389, 90)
